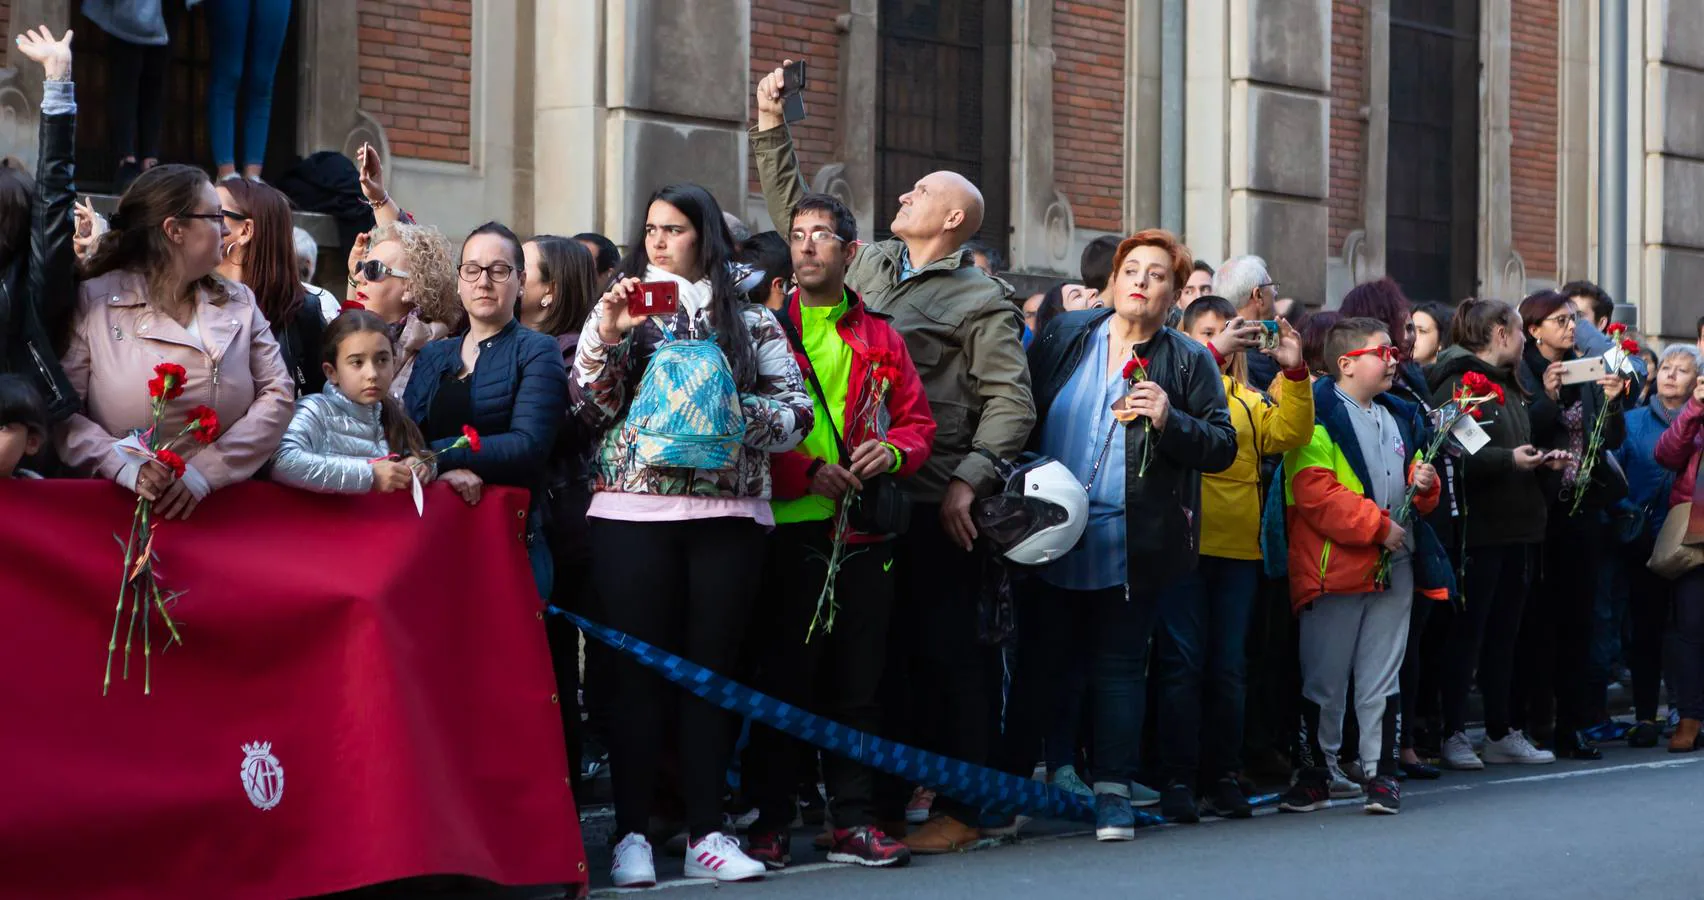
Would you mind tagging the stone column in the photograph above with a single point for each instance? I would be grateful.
(1042, 224)
(1142, 126)
(1207, 96)
(1280, 79)
(677, 79)
(1673, 170)
(1574, 217)
(568, 117)
(1501, 271)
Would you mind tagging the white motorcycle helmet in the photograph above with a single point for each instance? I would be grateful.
(1040, 516)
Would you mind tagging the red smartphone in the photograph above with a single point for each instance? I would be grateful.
(654, 298)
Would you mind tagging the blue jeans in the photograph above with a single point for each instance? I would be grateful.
(247, 37)
(1121, 624)
(1202, 668)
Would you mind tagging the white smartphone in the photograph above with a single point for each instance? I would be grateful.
(1581, 371)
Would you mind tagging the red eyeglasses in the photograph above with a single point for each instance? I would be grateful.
(1385, 352)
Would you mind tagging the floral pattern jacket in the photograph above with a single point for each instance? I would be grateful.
(778, 412)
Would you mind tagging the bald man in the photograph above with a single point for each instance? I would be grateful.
(964, 335)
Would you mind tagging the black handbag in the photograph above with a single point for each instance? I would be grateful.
(882, 506)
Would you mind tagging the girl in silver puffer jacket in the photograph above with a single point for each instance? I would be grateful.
(353, 437)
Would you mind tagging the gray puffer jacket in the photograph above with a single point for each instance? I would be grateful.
(329, 445)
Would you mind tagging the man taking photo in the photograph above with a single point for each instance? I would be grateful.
(964, 337)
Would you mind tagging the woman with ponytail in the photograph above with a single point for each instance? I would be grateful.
(353, 437)
(260, 252)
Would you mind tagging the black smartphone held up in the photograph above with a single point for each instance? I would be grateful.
(794, 78)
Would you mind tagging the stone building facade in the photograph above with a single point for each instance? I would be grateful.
(1450, 143)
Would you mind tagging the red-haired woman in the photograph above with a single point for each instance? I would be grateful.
(260, 252)
(1169, 426)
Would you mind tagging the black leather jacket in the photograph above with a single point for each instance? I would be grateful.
(1162, 508)
(38, 290)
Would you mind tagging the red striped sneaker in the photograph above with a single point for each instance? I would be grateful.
(719, 857)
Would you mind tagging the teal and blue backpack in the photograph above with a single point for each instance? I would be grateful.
(686, 413)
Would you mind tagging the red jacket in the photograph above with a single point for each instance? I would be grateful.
(911, 426)
(1678, 451)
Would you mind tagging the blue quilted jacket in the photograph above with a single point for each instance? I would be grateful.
(520, 395)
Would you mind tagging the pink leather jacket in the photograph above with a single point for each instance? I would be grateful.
(234, 367)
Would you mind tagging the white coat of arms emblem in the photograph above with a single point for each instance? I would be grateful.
(263, 775)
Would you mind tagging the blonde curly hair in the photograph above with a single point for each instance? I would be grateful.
(431, 270)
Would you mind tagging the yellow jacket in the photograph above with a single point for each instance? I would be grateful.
(1230, 500)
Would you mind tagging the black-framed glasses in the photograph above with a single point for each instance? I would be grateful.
(211, 217)
(373, 270)
(234, 216)
(500, 272)
(1560, 320)
(1271, 284)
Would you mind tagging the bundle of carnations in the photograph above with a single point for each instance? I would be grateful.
(139, 584)
(1465, 402)
(878, 379)
(1619, 360)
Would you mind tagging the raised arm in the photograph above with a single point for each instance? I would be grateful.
(772, 146)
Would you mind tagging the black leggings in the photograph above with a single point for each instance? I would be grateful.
(1484, 634)
(686, 587)
(1650, 604)
(136, 93)
(1556, 629)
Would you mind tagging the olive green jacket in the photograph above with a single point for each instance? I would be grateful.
(962, 330)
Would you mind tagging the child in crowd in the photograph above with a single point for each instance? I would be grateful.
(348, 439)
(23, 425)
(1340, 489)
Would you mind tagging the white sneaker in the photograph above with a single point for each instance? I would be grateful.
(1458, 754)
(1340, 787)
(1516, 749)
(633, 866)
(719, 857)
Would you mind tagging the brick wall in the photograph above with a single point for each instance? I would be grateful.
(1088, 110)
(1348, 129)
(6, 18)
(802, 29)
(1533, 118)
(415, 74)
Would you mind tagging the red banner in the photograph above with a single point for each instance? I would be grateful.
(362, 695)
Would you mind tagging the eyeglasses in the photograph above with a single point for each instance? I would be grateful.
(211, 217)
(1560, 320)
(234, 215)
(1271, 284)
(373, 270)
(1385, 352)
(500, 272)
(815, 236)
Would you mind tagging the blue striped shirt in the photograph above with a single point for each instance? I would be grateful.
(1074, 432)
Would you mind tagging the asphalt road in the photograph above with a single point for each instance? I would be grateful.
(1627, 826)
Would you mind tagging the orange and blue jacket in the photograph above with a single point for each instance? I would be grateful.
(1335, 528)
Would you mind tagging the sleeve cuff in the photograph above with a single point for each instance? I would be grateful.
(58, 98)
(1299, 373)
(977, 471)
(1218, 358)
(196, 482)
(126, 477)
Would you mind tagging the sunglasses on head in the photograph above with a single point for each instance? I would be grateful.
(1385, 352)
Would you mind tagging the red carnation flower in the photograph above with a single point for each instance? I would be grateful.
(1631, 346)
(1498, 390)
(167, 382)
(1129, 368)
(1616, 329)
(203, 424)
(472, 438)
(1476, 412)
(1476, 383)
(171, 460)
